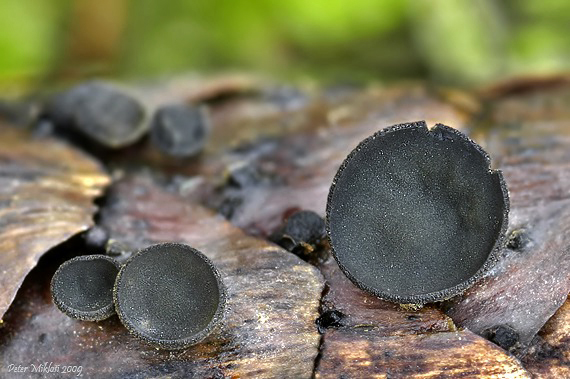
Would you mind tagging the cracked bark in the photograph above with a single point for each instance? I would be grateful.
(274, 297)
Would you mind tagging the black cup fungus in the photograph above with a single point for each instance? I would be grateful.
(170, 295)
(416, 215)
(82, 287)
(301, 233)
(100, 111)
(179, 130)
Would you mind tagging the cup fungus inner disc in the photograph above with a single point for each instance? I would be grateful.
(415, 215)
(82, 287)
(170, 295)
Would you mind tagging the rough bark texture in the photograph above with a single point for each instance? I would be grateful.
(47, 190)
(358, 353)
(529, 136)
(273, 298)
(295, 171)
(359, 309)
(549, 355)
(282, 157)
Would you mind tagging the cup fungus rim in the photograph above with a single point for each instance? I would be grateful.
(98, 315)
(181, 343)
(446, 293)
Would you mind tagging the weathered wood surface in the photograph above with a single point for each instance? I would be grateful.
(549, 355)
(530, 137)
(374, 338)
(273, 299)
(528, 285)
(303, 143)
(47, 190)
(361, 353)
(296, 170)
(359, 309)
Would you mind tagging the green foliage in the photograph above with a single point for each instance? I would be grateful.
(454, 41)
(25, 38)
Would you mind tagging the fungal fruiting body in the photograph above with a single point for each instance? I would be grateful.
(416, 215)
(180, 130)
(101, 111)
(82, 287)
(303, 229)
(169, 295)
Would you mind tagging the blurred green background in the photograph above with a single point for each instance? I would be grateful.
(458, 42)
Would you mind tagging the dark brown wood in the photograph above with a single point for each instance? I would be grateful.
(358, 353)
(549, 355)
(530, 137)
(273, 299)
(47, 190)
(270, 330)
(362, 310)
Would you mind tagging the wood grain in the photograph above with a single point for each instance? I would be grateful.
(529, 135)
(47, 190)
(273, 299)
(358, 353)
(549, 355)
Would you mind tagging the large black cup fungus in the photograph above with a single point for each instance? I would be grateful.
(416, 215)
(82, 287)
(169, 295)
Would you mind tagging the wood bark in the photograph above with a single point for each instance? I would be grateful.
(47, 190)
(278, 305)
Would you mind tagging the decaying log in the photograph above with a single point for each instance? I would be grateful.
(528, 285)
(273, 298)
(530, 136)
(282, 157)
(47, 190)
(358, 353)
(357, 309)
(297, 169)
(549, 355)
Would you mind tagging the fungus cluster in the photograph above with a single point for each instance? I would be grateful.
(170, 295)
(110, 116)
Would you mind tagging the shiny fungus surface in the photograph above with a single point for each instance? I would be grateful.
(82, 287)
(416, 215)
(170, 295)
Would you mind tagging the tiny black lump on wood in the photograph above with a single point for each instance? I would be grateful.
(303, 229)
(100, 111)
(179, 130)
(82, 287)
(503, 336)
(170, 295)
(416, 215)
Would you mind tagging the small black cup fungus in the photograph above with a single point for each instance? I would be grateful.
(82, 287)
(170, 295)
(416, 215)
(179, 130)
(300, 233)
